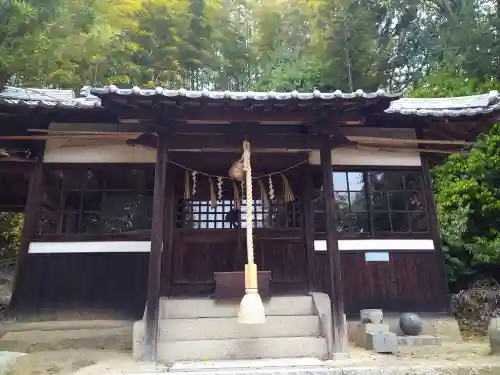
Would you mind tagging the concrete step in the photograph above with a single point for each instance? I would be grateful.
(209, 308)
(229, 328)
(248, 364)
(282, 347)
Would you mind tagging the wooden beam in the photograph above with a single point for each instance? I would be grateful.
(157, 230)
(231, 137)
(396, 141)
(207, 115)
(66, 136)
(213, 142)
(332, 245)
(261, 141)
(408, 149)
(82, 132)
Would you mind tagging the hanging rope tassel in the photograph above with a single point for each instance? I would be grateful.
(267, 214)
(271, 189)
(219, 188)
(263, 194)
(287, 190)
(193, 189)
(187, 190)
(237, 200)
(213, 197)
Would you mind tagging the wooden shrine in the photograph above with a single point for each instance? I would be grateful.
(127, 197)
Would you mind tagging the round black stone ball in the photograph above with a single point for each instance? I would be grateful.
(411, 324)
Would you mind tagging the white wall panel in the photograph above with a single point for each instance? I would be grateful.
(90, 247)
(361, 157)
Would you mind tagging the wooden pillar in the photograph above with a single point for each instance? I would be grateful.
(434, 226)
(31, 214)
(332, 246)
(308, 227)
(157, 229)
(169, 223)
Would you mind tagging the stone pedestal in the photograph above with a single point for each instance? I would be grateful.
(383, 342)
(494, 335)
(375, 316)
(374, 335)
(369, 329)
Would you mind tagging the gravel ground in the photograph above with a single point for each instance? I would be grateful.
(104, 348)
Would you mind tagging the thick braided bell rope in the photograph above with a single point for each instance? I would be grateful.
(248, 181)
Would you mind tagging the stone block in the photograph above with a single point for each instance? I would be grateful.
(383, 342)
(375, 316)
(421, 340)
(494, 335)
(368, 328)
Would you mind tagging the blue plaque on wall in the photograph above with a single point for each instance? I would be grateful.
(377, 257)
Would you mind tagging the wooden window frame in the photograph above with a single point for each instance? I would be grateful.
(103, 191)
(372, 233)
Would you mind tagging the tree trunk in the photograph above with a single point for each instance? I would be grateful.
(4, 78)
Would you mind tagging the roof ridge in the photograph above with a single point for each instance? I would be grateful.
(236, 95)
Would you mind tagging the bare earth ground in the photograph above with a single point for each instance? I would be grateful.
(104, 348)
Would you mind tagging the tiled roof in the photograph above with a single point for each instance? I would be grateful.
(448, 107)
(159, 91)
(90, 98)
(47, 98)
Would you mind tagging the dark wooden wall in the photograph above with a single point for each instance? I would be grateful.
(82, 283)
(410, 281)
(197, 254)
(117, 283)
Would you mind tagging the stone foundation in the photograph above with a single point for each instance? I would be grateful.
(418, 340)
(443, 327)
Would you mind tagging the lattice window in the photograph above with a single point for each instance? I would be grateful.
(398, 203)
(97, 201)
(372, 202)
(199, 214)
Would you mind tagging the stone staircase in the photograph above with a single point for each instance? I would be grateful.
(202, 329)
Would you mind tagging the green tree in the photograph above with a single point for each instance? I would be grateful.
(58, 43)
(468, 205)
(467, 187)
(11, 224)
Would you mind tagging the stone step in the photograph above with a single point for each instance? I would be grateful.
(209, 308)
(229, 328)
(284, 370)
(248, 364)
(282, 347)
(421, 340)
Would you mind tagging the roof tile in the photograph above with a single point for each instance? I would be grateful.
(472, 105)
(239, 95)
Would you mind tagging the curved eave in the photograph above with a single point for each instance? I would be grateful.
(460, 106)
(51, 104)
(445, 113)
(236, 96)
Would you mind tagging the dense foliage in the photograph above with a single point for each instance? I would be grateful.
(468, 203)
(431, 47)
(10, 234)
(245, 44)
(467, 187)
